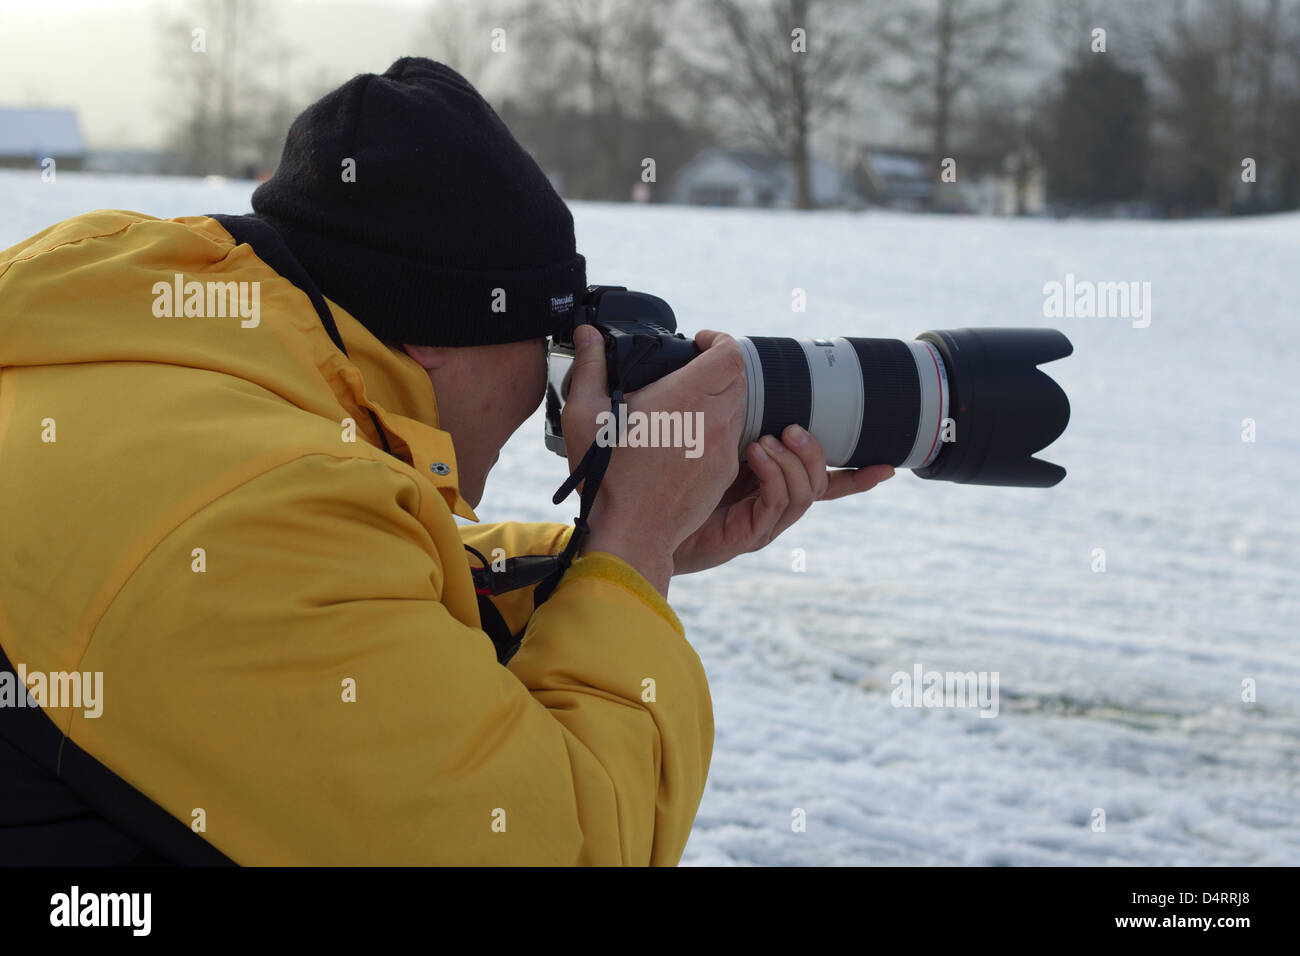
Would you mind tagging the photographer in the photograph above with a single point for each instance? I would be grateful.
(247, 526)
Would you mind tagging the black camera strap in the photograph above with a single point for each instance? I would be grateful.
(544, 571)
(589, 473)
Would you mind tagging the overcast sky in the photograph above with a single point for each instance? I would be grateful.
(104, 57)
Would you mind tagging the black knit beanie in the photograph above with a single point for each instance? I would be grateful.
(450, 233)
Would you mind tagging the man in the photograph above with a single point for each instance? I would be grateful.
(238, 618)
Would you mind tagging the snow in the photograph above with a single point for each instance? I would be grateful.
(1119, 690)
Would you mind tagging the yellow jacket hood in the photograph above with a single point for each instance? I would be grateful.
(163, 268)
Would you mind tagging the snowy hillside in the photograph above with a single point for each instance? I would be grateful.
(1119, 690)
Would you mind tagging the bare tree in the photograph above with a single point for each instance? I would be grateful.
(1069, 23)
(947, 48)
(1285, 129)
(600, 57)
(459, 33)
(775, 71)
(1266, 30)
(1202, 59)
(226, 89)
(594, 73)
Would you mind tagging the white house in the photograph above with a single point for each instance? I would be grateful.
(29, 135)
(733, 177)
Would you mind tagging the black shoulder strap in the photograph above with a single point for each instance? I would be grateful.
(102, 813)
(494, 626)
(271, 249)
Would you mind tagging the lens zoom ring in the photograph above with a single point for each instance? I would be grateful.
(787, 384)
(891, 402)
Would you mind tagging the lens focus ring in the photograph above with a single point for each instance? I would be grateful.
(787, 384)
(891, 399)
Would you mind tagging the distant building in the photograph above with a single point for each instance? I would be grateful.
(734, 177)
(895, 178)
(28, 136)
(904, 179)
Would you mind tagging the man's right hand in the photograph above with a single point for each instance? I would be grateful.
(651, 498)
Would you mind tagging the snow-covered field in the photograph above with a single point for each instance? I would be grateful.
(1119, 690)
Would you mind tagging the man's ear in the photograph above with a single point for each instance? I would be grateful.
(430, 357)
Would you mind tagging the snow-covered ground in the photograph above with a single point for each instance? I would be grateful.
(1119, 690)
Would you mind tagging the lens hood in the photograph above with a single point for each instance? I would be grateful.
(1003, 406)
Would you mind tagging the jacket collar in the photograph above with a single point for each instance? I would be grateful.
(399, 392)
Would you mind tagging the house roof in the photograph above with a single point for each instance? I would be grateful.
(758, 161)
(40, 132)
(897, 165)
(761, 166)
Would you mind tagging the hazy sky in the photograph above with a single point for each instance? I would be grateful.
(105, 57)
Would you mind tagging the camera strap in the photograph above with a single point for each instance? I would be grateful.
(545, 571)
(589, 473)
(542, 570)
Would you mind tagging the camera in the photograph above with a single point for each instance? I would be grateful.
(964, 405)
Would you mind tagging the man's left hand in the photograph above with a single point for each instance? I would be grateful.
(778, 483)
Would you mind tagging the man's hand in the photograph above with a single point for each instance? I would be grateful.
(779, 483)
(652, 498)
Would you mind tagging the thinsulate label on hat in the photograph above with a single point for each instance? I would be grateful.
(561, 303)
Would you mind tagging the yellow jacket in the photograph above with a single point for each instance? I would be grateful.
(283, 618)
